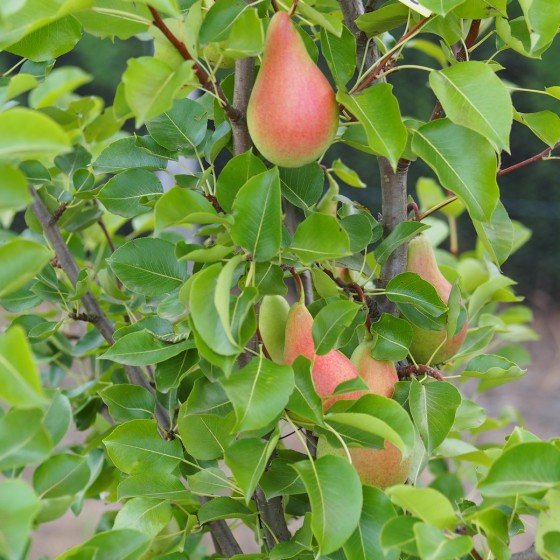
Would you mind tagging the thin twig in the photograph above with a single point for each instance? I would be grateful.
(374, 72)
(57, 214)
(106, 233)
(410, 370)
(544, 154)
(438, 207)
(201, 74)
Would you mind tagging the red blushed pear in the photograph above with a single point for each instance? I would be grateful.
(380, 376)
(328, 370)
(422, 261)
(376, 467)
(292, 114)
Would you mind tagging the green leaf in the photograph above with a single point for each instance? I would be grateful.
(441, 7)
(142, 349)
(14, 194)
(330, 323)
(61, 475)
(304, 401)
(425, 503)
(234, 175)
(219, 20)
(392, 338)
(204, 313)
(182, 127)
(497, 235)
(335, 494)
(340, 54)
(403, 232)
(57, 84)
(302, 186)
(179, 206)
(128, 402)
(259, 392)
(148, 266)
(433, 544)
(433, 407)
(349, 176)
(20, 384)
(333, 242)
(398, 534)
(247, 459)
(136, 445)
(408, 288)
(377, 109)
(492, 371)
(147, 515)
(383, 19)
(247, 35)
(473, 96)
(124, 154)
(523, 469)
(223, 508)
(18, 507)
(159, 485)
(23, 438)
(257, 213)
(365, 543)
(121, 544)
(27, 134)
(124, 193)
(544, 124)
(464, 162)
(151, 85)
(542, 19)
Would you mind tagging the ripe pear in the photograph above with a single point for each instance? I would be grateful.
(376, 467)
(422, 261)
(380, 376)
(292, 113)
(329, 370)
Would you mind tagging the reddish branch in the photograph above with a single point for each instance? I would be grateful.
(544, 154)
(201, 74)
(385, 60)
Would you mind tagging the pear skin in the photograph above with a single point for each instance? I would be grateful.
(273, 315)
(422, 261)
(292, 114)
(328, 370)
(376, 467)
(380, 376)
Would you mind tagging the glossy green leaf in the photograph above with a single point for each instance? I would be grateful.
(377, 109)
(148, 266)
(335, 494)
(340, 54)
(259, 392)
(147, 515)
(136, 445)
(392, 337)
(257, 213)
(464, 162)
(473, 96)
(330, 322)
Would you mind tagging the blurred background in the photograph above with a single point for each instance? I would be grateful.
(531, 196)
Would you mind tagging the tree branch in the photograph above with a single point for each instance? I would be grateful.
(201, 74)
(529, 554)
(544, 154)
(352, 9)
(222, 537)
(243, 83)
(93, 310)
(272, 513)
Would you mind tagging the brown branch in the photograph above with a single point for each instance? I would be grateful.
(366, 52)
(243, 83)
(272, 513)
(106, 233)
(57, 214)
(382, 62)
(68, 264)
(222, 537)
(201, 74)
(544, 154)
(406, 371)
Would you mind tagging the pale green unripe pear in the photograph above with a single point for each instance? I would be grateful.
(422, 261)
(273, 315)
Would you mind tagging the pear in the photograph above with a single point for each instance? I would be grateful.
(273, 315)
(422, 261)
(292, 114)
(376, 467)
(380, 376)
(329, 370)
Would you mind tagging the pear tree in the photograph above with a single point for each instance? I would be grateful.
(217, 327)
